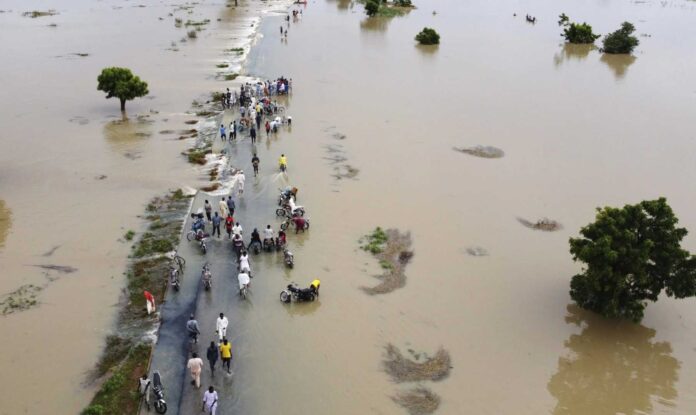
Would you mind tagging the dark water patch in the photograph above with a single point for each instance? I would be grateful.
(403, 369)
(544, 224)
(488, 152)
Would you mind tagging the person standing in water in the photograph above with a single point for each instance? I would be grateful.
(195, 365)
(212, 355)
(223, 134)
(255, 162)
(252, 133)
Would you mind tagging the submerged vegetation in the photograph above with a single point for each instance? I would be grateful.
(21, 299)
(403, 369)
(39, 13)
(391, 248)
(544, 224)
(387, 9)
(428, 36)
(576, 32)
(418, 401)
(126, 354)
(620, 41)
(631, 254)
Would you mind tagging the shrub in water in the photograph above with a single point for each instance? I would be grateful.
(621, 41)
(576, 32)
(428, 36)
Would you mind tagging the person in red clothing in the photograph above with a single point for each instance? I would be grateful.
(229, 222)
(149, 302)
(299, 223)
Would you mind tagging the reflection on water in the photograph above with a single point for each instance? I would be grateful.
(126, 134)
(5, 222)
(613, 367)
(343, 4)
(302, 309)
(571, 52)
(375, 23)
(427, 50)
(618, 63)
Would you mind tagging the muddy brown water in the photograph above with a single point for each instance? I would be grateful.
(579, 130)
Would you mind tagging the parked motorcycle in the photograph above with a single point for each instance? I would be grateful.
(199, 236)
(293, 292)
(268, 245)
(255, 247)
(288, 221)
(207, 277)
(158, 390)
(288, 257)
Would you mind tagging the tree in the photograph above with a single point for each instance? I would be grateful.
(371, 7)
(576, 32)
(428, 36)
(122, 84)
(631, 255)
(621, 41)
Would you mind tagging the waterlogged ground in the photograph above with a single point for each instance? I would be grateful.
(577, 129)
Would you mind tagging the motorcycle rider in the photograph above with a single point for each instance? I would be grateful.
(237, 229)
(255, 238)
(268, 235)
(244, 280)
(244, 265)
(237, 244)
(282, 238)
(206, 276)
(192, 328)
(198, 224)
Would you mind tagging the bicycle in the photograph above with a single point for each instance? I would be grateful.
(178, 261)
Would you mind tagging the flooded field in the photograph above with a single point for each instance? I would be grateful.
(375, 121)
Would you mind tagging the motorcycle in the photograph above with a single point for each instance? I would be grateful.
(290, 209)
(293, 292)
(255, 247)
(268, 245)
(207, 277)
(199, 236)
(288, 221)
(158, 390)
(174, 278)
(244, 282)
(286, 194)
(288, 257)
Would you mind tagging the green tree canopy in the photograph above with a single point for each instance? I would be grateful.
(428, 36)
(620, 41)
(122, 84)
(580, 33)
(631, 255)
(372, 7)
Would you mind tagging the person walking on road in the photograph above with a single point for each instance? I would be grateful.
(144, 389)
(240, 182)
(210, 400)
(233, 130)
(195, 365)
(226, 354)
(192, 329)
(252, 133)
(217, 220)
(255, 162)
(229, 222)
(224, 210)
(221, 326)
(230, 205)
(223, 134)
(208, 210)
(212, 356)
(268, 129)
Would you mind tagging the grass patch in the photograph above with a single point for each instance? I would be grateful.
(117, 394)
(231, 76)
(39, 13)
(403, 369)
(116, 350)
(197, 155)
(197, 23)
(213, 174)
(191, 34)
(211, 187)
(205, 113)
(129, 235)
(21, 299)
(151, 245)
(418, 401)
(392, 249)
(222, 65)
(191, 122)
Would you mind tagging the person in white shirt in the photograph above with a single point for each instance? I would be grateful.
(268, 233)
(195, 365)
(244, 263)
(237, 229)
(210, 399)
(221, 326)
(244, 280)
(240, 182)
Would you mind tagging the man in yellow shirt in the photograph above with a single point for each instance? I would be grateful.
(283, 162)
(226, 354)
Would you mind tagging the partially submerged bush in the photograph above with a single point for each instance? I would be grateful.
(403, 3)
(371, 7)
(428, 36)
(576, 32)
(403, 369)
(418, 401)
(192, 34)
(620, 41)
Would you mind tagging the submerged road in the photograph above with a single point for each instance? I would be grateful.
(256, 208)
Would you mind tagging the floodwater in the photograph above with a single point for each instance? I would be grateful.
(578, 130)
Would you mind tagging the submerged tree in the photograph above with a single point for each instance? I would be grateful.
(631, 255)
(576, 32)
(620, 41)
(122, 84)
(428, 36)
(371, 7)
